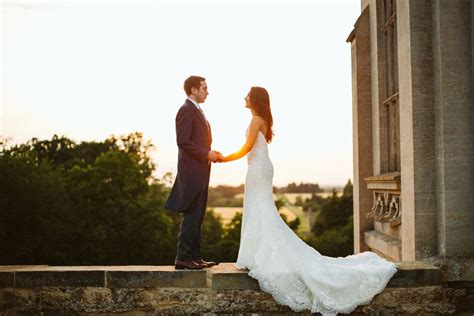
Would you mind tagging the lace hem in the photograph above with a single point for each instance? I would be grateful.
(324, 308)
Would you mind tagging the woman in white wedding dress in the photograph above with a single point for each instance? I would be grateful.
(294, 273)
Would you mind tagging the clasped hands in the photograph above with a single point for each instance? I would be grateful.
(215, 156)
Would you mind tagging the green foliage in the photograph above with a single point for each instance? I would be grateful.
(335, 242)
(220, 243)
(94, 203)
(231, 239)
(313, 204)
(224, 196)
(332, 231)
(88, 203)
(300, 188)
(211, 235)
(348, 188)
(333, 214)
(280, 202)
(294, 224)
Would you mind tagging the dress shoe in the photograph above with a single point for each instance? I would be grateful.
(188, 265)
(208, 264)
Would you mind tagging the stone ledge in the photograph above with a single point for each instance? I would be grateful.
(168, 277)
(31, 279)
(226, 276)
(415, 274)
(223, 276)
(160, 290)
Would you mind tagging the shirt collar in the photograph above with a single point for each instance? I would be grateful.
(195, 103)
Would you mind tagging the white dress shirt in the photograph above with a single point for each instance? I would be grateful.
(198, 107)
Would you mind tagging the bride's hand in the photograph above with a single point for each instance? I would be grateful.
(222, 158)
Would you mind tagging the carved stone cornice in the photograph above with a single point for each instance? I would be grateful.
(385, 181)
(386, 198)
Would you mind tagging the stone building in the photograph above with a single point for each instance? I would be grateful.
(413, 131)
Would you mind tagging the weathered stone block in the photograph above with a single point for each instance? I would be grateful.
(165, 278)
(226, 276)
(29, 279)
(416, 274)
(7, 279)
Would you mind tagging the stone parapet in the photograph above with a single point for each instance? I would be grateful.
(156, 290)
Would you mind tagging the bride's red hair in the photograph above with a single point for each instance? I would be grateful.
(260, 103)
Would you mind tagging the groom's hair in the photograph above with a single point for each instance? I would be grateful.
(192, 82)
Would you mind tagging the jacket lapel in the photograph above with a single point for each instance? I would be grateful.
(201, 117)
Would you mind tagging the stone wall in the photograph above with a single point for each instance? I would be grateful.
(417, 288)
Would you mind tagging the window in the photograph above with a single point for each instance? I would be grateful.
(389, 109)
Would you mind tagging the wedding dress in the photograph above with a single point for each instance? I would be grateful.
(294, 273)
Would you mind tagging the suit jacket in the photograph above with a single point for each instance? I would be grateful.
(193, 136)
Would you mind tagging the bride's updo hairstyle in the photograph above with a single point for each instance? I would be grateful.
(260, 103)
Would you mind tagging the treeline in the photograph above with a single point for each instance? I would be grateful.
(97, 203)
(299, 188)
(226, 195)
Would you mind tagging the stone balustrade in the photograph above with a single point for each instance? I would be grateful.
(155, 290)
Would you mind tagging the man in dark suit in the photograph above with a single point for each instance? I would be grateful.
(189, 192)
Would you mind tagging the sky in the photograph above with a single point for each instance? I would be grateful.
(90, 69)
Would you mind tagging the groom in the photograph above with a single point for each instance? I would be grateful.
(189, 192)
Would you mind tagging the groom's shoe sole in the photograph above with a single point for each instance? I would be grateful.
(208, 264)
(188, 265)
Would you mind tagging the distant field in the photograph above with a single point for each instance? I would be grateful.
(289, 209)
(227, 213)
(291, 197)
(328, 194)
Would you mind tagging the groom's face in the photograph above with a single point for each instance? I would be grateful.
(201, 93)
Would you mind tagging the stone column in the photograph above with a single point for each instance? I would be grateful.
(362, 127)
(417, 130)
(453, 54)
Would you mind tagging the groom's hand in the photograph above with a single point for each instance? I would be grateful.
(220, 158)
(214, 155)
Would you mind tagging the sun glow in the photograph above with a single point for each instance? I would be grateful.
(87, 70)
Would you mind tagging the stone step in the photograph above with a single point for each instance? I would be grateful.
(383, 244)
(221, 277)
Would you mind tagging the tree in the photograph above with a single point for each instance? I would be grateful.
(88, 203)
(231, 239)
(211, 236)
(332, 232)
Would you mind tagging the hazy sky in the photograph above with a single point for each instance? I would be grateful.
(89, 69)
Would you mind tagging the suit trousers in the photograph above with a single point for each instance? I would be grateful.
(189, 238)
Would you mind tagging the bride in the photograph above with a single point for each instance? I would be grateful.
(294, 273)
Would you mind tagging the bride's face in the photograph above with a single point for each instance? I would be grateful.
(247, 101)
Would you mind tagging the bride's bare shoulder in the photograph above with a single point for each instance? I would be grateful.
(258, 119)
(260, 123)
